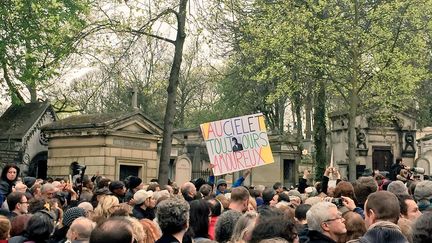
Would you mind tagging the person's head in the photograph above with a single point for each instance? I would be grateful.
(268, 195)
(20, 187)
(324, 217)
(199, 218)
(216, 207)
(397, 187)
(274, 226)
(106, 203)
(355, 225)
(206, 190)
(118, 188)
(19, 224)
(71, 214)
(173, 215)
(88, 208)
(239, 199)
(113, 230)
(145, 199)
(243, 228)
(423, 194)
(154, 186)
(234, 140)
(278, 187)
(381, 206)
(48, 190)
(80, 229)
(188, 190)
(40, 226)
(344, 188)
(221, 185)
(408, 207)
(364, 186)
(134, 183)
(225, 225)
(10, 173)
(151, 231)
(18, 203)
(300, 212)
(399, 161)
(274, 200)
(5, 227)
(422, 229)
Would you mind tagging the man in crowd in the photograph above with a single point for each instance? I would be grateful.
(188, 191)
(239, 199)
(382, 213)
(118, 189)
(114, 230)
(17, 203)
(408, 207)
(173, 219)
(325, 223)
(80, 230)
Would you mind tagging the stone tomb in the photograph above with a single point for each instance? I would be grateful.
(113, 145)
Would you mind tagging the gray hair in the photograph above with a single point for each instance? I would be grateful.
(173, 215)
(245, 222)
(397, 187)
(47, 186)
(317, 214)
(83, 227)
(225, 225)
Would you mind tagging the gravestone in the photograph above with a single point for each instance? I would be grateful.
(182, 169)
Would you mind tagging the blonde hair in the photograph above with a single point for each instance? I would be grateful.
(106, 203)
(137, 230)
(246, 223)
(5, 227)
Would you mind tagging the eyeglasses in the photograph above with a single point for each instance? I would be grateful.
(338, 218)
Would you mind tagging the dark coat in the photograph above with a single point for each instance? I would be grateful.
(384, 235)
(317, 237)
(139, 213)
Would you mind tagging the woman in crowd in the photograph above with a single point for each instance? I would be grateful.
(199, 220)
(244, 227)
(8, 179)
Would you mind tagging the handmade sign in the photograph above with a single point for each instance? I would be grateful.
(237, 144)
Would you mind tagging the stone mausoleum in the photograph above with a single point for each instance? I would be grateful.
(377, 145)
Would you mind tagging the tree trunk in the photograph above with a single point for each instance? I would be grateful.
(320, 131)
(352, 163)
(172, 95)
(308, 110)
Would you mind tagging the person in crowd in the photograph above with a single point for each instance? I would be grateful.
(325, 223)
(113, 230)
(216, 209)
(274, 226)
(188, 191)
(80, 230)
(382, 212)
(118, 189)
(278, 187)
(173, 218)
(267, 196)
(206, 191)
(408, 207)
(301, 222)
(104, 208)
(88, 208)
(39, 228)
(8, 178)
(151, 231)
(144, 205)
(17, 203)
(225, 225)
(355, 226)
(221, 184)
(68, 217)
(243, 229)
(239, 199)
(153, 186)
(5, 227)
(364, 186)
(252, 205)
(422, 229)
(137, 229)
(48, 191)
(423, 195)
(134, 184)
(19, 224)
(199, 220)
(397, 188)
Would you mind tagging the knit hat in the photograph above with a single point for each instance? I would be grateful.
(116, 185)
(141, 195)
(134, 182)
(71, 214)
(423, 190)
(29, 181)
(220, 182)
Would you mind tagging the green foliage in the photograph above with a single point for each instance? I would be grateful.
(36, 35)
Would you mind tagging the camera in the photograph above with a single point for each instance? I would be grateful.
(337, 201)
(418, 170)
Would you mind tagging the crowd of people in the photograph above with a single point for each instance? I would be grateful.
(371, 209)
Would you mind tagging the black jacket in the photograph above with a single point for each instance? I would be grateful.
(317, 237)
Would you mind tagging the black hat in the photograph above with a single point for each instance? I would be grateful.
(103, 191)
(134, 181)
(116, 185)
